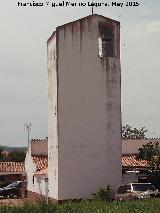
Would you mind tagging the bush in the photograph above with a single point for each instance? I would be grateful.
(102, 194)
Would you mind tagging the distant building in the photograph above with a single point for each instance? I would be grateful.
(135, 170)
(84, 114)
(12, 171)
(131, 146)
(36, 163)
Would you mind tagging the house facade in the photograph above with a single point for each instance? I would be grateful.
(84, 108)
(36, 163)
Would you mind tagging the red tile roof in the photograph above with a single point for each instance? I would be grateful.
(41, 162)
(131, 161)
(12, 167)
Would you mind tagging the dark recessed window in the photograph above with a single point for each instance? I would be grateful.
(106, 41)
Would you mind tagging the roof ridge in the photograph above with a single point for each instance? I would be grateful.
(80, 19)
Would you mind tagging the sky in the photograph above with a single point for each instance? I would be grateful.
(23, 64)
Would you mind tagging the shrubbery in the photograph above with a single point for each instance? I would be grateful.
(102, 194)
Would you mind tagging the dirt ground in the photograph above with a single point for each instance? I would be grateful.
(12, 202)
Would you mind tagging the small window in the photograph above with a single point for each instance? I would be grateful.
(46, 180)
(33, 179)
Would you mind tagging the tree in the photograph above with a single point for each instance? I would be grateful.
(1, 156)
(133, 133)
(1, 149)
(151, 153)
(16, 156)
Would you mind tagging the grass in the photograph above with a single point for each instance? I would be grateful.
(145, 206)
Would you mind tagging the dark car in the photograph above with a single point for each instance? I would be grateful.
(12, 190)
(135, 191)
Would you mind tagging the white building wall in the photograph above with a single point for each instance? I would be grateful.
(52, 119)
(40, 185)
(89, 115)
(30, 170)
(33, 184)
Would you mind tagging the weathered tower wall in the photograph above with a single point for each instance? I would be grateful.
(52, 119)
(86, 152)
(89, 110)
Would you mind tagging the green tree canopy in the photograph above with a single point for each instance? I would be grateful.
(151, 153)
(16, 156)
(129, 132)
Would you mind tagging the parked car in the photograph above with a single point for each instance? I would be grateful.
(12, 190)
(135, 191)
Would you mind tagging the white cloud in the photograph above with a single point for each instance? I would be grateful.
(153, 27)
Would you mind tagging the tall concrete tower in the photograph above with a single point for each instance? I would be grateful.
(84, 96)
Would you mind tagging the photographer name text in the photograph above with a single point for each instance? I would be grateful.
(78, 4)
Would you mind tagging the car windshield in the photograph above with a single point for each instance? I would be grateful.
(143, 187)
(12, 185)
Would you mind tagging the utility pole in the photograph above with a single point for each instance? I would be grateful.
(27, 127)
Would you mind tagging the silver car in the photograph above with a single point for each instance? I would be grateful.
(135, 191)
